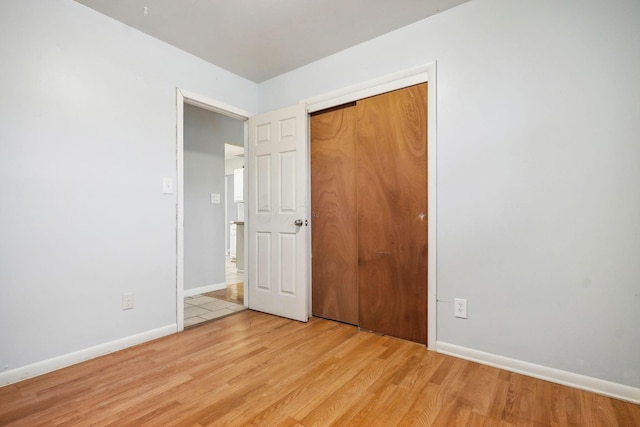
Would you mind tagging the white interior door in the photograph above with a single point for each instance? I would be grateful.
(277, 186)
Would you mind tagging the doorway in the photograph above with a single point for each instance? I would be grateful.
(206, 136)
(203, 126)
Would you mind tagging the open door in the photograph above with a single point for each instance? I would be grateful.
(277, 204)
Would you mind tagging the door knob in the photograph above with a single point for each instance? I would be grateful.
(298, 222)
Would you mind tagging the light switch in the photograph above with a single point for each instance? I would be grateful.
(215, 198)
(167, 186)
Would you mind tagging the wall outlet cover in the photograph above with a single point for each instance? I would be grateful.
(460, 308)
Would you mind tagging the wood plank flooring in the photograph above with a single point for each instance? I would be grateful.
(234, 293)
(256, 369)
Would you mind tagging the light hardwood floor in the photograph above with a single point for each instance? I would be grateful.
(253, 368)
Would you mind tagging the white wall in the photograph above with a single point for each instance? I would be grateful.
(205, 227)
(538, 180)
(87, 132)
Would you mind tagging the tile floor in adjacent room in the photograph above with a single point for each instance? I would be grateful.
(232, 274)
(202, 308)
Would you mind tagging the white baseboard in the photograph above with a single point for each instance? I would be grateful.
(49, 365)
(606, 388)
(204, 289)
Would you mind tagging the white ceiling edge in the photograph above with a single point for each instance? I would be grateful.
(261, 40)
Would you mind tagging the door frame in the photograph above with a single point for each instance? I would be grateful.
(186, 97)
(425, 73)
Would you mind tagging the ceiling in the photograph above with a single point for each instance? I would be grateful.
(260, 39)
(231, 151)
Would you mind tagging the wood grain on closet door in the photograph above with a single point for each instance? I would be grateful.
(334, 215)
(392, 209)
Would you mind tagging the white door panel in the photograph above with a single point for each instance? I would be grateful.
(277, 180)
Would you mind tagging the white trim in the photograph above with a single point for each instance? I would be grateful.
(309, 229)
(216, 106)
(421, 74)
(50, 365)
(245, 195)
(204, 289)
(432, 201)
(186, 97)
(369, 88)
(582, 382)
(179, 210)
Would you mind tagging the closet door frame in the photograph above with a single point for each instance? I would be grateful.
(422, 74)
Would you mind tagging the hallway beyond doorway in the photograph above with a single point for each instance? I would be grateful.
(216, 304)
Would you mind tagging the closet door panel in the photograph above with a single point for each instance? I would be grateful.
(334, 215)
(392, 209)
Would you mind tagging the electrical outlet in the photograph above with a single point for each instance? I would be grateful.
(127, 301)
(460, 308)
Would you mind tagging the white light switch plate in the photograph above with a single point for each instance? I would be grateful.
(215, 198)
(167, 186)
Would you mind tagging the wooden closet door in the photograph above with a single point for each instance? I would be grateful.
(392, 209)
(334, 216)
